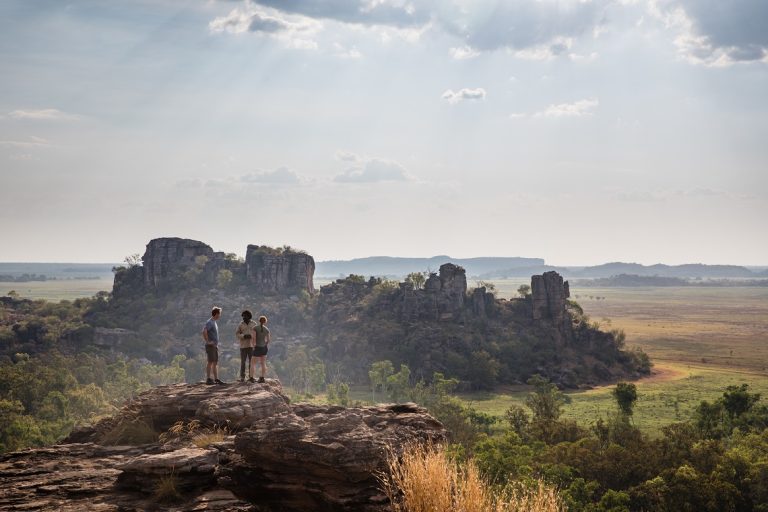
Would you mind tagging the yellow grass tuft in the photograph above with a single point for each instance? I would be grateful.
(425, 479)
(167, 489)
(199, 435)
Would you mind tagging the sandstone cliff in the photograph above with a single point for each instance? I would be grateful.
(171, 262)
(273, 456)
(272, 273)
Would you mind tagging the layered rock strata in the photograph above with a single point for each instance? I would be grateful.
(272, 273)
(273, 456)
(266, 270)
(549, 294)
(164, 255)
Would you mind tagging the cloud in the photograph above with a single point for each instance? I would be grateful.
(576, 109)
(280, 176)
(537, 28)
(716, 33)
(375, 170)
(395, 13)
(346, 156)
(346, 53)
(517, 25)
(464, 94)
(463, 53)
(293, 31)
(33, 142)
(45, 114)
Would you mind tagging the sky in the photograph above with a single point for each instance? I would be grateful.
(578, 131)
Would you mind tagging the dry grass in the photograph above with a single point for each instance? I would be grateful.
(215, 435)
(199, 435)
(167, 489)
(425, 479)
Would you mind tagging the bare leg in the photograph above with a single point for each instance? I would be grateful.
(208, 369)
(263, 360)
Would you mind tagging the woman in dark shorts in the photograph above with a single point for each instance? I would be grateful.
(261, 346)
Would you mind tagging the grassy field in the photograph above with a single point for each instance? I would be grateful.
(56, 290)
(700, 339)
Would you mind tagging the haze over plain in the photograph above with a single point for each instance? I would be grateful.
(577, 131)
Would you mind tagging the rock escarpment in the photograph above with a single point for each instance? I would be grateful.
(165, 255)
(167, 262)
(272, 273)
(549, 294)
(271, 455)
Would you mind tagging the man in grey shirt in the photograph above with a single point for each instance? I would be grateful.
(211, 337)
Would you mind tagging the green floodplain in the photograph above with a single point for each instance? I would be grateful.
(700, 339)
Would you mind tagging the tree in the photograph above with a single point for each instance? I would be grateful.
(489, 287)
(378, 374)
(416, 279)
(223, 278)
(737, 400)
(399, 383)
(133, 260)
(546, 401)
(625, 394)
(524, 291)
(483, 369)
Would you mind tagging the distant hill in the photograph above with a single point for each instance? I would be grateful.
(692, 271)
(399, 267)
(15, 270)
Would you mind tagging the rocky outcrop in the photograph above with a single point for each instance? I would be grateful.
(549, 294)
(80, 477)
(272, 456)
(337, 453)
(483, 302)
(164, 255)
(270, 271)
(442, 298)
(168, 262)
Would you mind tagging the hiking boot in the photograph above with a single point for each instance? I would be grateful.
(261, 380)
(217, 381)
(251, 379)
(209, 382)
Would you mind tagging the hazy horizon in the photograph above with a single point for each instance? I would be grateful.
(547, 263)
(578, 131)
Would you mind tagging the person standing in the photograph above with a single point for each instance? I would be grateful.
(261, 346)
(211, 337)
(246, 337)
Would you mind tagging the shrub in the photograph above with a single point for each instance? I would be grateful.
(425, 479)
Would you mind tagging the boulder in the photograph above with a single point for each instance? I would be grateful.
(325, 458)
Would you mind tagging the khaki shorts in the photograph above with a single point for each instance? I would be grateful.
(212, 351)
